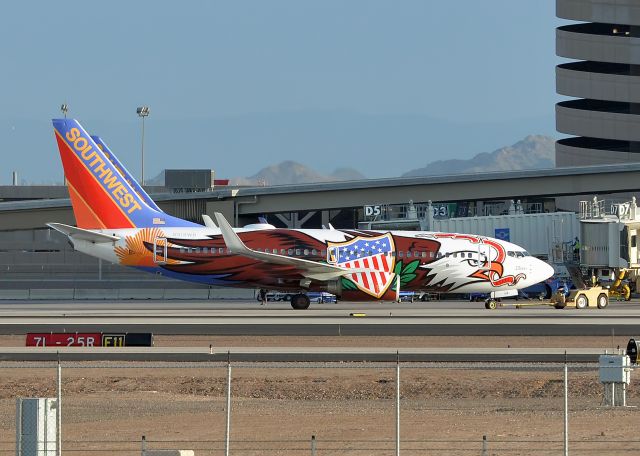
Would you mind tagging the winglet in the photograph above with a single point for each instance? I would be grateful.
(208, 222)
(231, 239)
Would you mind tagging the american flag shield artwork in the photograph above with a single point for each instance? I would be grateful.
(372, 253)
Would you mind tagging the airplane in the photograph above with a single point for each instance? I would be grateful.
(118, 222)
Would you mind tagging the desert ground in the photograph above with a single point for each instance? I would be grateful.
(348, 407)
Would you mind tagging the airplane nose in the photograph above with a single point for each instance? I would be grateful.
(541, 270)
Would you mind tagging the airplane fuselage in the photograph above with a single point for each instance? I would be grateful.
(414, 260)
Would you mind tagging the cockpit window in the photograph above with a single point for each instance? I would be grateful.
(511, 253)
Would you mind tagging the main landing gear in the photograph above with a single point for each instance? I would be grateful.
(300, 301)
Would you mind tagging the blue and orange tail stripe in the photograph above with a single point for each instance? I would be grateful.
(126, 174)
(100, 194)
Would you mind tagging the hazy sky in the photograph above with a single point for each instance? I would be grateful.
(485, 61)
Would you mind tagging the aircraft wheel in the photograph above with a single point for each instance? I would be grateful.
(300, 301)
(491, 304)
(603, 301)
(582, 302)
(559, 305)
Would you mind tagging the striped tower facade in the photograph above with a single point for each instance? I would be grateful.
(603, 116)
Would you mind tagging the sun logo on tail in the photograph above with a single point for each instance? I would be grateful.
(139, 248)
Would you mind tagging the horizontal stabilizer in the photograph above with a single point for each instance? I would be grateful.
(82, 234)
(311, 269)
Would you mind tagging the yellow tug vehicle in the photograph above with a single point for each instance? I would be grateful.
(596, 296)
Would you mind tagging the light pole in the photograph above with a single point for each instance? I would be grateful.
(143, 111)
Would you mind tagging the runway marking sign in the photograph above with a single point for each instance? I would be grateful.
(64, 339)
(113, 340)
(89, 340)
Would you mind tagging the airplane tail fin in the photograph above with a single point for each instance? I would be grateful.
(126, 174)
(100, 194)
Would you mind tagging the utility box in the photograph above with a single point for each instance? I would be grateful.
(615, 375)
(36, 430)
(615, 369)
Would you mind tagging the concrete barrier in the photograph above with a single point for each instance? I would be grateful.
(199, 294)
(95, 293)
(14, 294)
(232, 293)
(145, 293)
(51, 293)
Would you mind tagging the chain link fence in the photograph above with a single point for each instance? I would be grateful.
(323, 408)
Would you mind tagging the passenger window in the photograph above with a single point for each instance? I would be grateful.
(290, 252)
(314, 252)
(197, 250)
(282, 251)
(306, 252)
(430, 254)
(408, 254)
(393, 253)
(275, 251)
(401, 254)
(297, 252)
(220, 250)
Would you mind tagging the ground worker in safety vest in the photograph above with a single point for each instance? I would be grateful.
(576, 249)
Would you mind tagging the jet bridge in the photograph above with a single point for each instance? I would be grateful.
(609, 244)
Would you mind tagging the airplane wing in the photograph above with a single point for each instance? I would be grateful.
(80, 233)
(310, 269)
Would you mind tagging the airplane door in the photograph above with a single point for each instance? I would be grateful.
(484, 257)
(160, 250)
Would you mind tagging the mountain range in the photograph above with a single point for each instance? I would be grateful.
(532, 152)
(376, 145)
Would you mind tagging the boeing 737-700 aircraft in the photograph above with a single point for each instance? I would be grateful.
(118, 222)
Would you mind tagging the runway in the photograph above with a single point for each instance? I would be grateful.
(456, 318)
